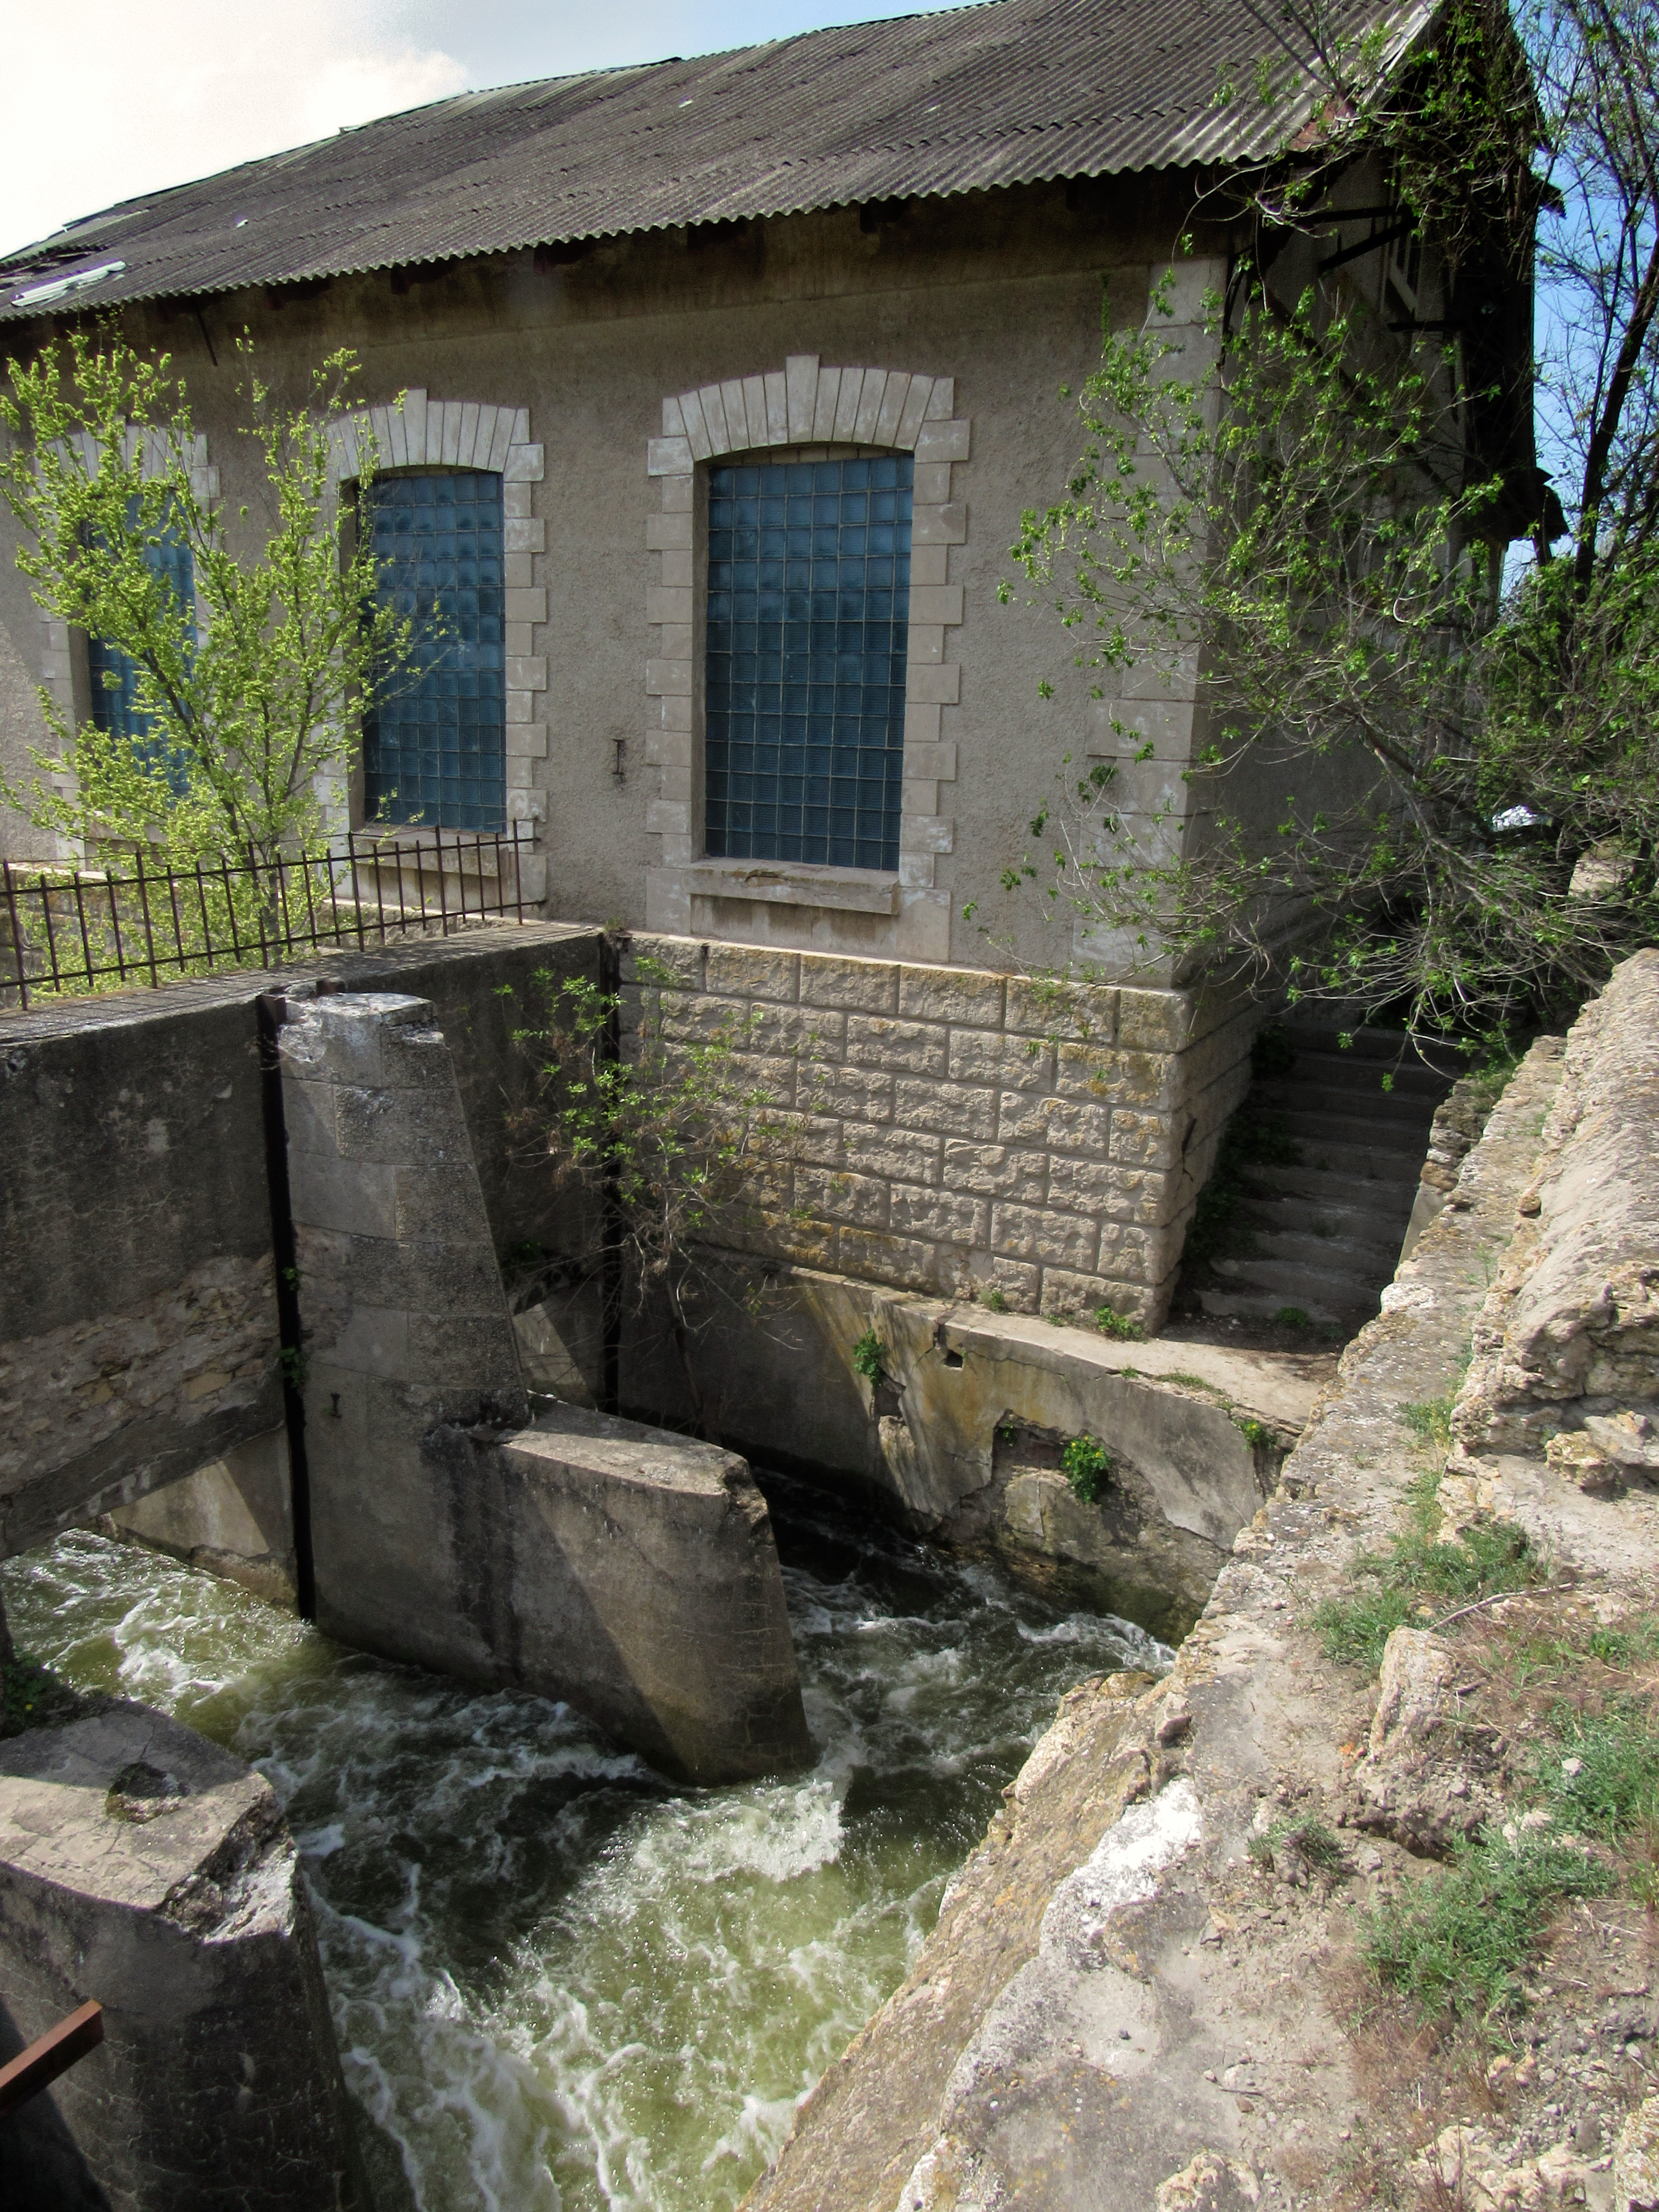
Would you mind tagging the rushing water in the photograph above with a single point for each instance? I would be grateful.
(557, 1980)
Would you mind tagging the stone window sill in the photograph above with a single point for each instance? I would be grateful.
(795, 882)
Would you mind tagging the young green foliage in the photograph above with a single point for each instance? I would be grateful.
(1294, 512)
(867, 1358)
(1088, 1467)
(253, 693)
(667, 1135)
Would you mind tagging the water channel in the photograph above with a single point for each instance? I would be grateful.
(558, 1981)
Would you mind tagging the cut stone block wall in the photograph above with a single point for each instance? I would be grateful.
(953, 1129)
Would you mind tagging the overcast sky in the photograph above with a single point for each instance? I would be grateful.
(106, 99)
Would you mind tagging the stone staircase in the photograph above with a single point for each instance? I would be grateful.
(1319, 1225)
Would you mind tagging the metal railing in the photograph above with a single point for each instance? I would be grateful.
(70, 932)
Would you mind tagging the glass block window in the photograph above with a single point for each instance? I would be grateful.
(115, 708)
(809, 591)
(434, 740)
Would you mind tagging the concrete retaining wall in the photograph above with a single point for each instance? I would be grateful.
(961, 1438)
(945, 1128)
(137, 1321)
(628, 1571)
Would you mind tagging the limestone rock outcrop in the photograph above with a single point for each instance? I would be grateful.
(1422, 1780)
(1571, 1327)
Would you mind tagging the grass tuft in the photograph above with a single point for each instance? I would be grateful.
(1602, 1770)
(1458, 1940)
(1418, 1577)
(1431, 1423)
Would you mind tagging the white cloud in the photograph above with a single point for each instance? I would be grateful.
(105, 100)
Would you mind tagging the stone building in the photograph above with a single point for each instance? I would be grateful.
(672, 348)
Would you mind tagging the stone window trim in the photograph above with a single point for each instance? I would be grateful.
(418, 432)
(63, 672)
(829, 410)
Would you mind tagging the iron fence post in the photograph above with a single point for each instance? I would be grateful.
(16, 941)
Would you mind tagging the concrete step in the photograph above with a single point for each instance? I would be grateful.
(1323, 1206)
(1225, 1302)
(1374, 1131)
(1297, 1284)
(1292, 1094)
(1340, 1071)
(1366, 1168)
(1337, 1184)
(1300, 1248)
(1384, 1046)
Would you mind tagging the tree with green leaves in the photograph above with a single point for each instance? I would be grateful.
(672, 1133)
(1422, 786)
(247, 684)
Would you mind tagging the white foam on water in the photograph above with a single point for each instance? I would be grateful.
(559, 1984)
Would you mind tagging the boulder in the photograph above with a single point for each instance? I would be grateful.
(1635, 2160)
(1424, 1779)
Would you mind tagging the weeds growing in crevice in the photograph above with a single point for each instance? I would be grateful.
(866, 1358)
(1088, 1466)
(1430, 1423)
(31, 1696)
(1420, 1576)
(1307, 1837)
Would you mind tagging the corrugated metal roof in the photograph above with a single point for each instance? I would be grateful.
(1008, 93)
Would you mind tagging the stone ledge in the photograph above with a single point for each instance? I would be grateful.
(782, 882)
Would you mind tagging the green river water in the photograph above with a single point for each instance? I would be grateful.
(558, 1981)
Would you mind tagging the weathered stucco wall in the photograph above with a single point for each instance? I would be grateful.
(138, 1318)
(942, 1129)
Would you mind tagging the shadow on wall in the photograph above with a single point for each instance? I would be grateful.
(43, 2170)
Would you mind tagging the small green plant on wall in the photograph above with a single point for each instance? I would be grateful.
(866, 1358)
(1088, 1466)
(1110, 1322)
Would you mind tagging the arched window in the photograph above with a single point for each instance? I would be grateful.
(435, 739)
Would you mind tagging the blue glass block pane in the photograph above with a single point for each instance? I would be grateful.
(807, 645)
(115, 708)
(434, 741)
